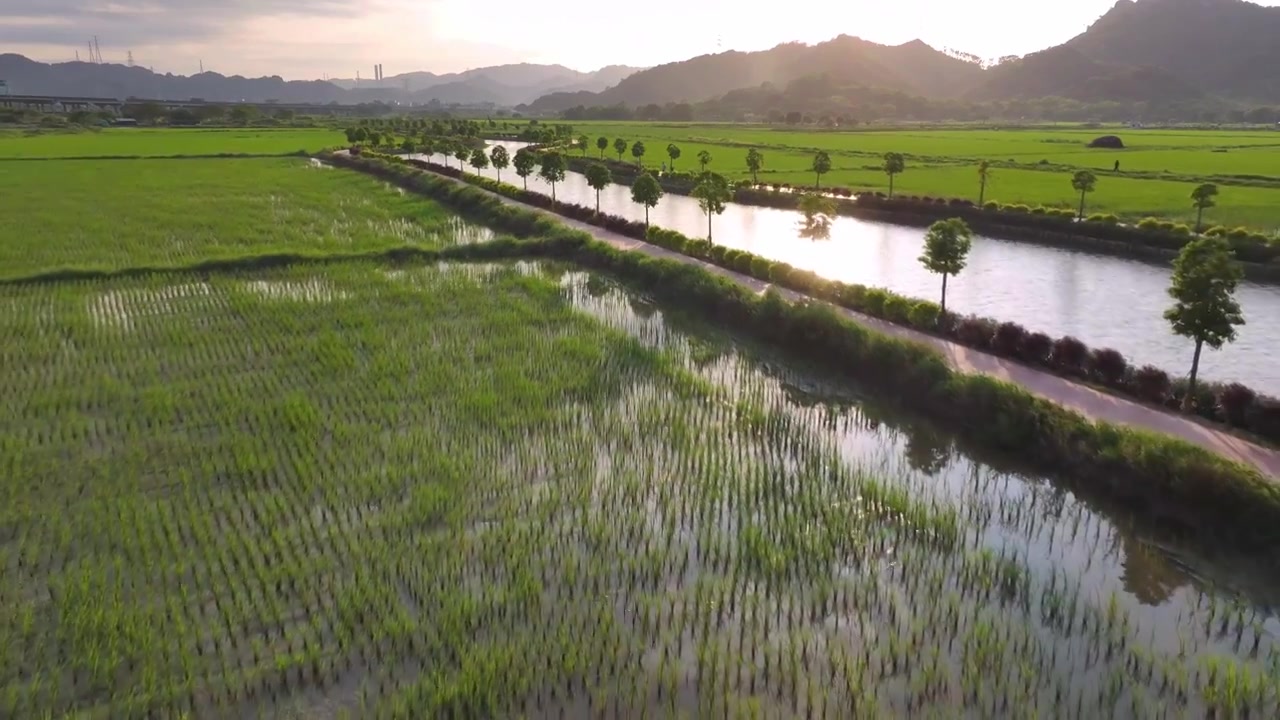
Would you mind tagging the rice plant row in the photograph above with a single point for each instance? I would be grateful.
(502, 491)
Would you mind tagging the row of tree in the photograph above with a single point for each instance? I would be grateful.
(1203, 285)
(638, 151)
(1204, 281)
(553, 168)
(1205, 274)
(893, 164)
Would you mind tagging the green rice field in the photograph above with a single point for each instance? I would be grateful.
(155, 142)
(371, 491)
(377, 489)
(1159, 167)
(111, 214)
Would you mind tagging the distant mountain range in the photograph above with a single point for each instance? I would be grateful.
(504, 85)
(501, 85)
(1141, 50)
(1154, 51)
(913, 67)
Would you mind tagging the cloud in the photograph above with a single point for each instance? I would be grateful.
(149, 22)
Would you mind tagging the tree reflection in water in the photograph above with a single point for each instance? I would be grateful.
(818, 211)
(1149, 574)
(819, 229)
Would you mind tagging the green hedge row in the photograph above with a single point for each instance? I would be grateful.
(1141, 468)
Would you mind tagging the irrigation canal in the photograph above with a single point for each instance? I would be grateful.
(1105, 301)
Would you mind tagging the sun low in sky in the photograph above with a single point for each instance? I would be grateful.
(304, 39)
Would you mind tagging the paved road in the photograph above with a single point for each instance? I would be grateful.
(1085, 400)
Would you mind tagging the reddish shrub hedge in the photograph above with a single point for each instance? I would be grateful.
(1007, 339)
(1108, 366)
(1152, 384)
(1036, 348)
(1070, 355)
(1234, 401)
(975, 331)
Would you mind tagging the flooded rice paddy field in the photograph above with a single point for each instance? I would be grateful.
(523, 490)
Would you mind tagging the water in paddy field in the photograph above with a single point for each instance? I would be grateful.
(340, 516)
(1104, 301)
(966, 581)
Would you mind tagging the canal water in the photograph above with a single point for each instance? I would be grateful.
(1103, 300)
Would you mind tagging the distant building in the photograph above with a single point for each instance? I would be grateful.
(124, 122)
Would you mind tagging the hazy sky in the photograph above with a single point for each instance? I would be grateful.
(314, 38)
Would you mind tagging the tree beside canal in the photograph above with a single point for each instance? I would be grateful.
(946, 250)
(713, 195)
(984, 177)
(553, 170)
(479, 160)
(647, 192)
(500, 159)
(1084, 183)
(637, 152)
(755, 161)
(821, 166)
(1202, 198)
(525, 162)
(1205, 277)
(598, 177)
(894, 164)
